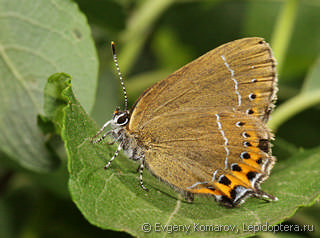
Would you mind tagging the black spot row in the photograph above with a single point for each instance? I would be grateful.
(250, 111)
(235, 167)
(245, 135)
(264, 145)
(247, 144)
(240, 123)
(251, 175)
(245, 155)
(224, 180)
(252, 96)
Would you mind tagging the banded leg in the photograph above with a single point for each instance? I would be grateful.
(102, 138)
(189, 197)
(99, 132)
(265, 196)
(114, 156)
(141, 177)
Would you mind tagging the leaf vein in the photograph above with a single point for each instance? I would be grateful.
(17, 75)
(174, 212)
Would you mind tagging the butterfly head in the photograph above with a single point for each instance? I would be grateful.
(120, 118)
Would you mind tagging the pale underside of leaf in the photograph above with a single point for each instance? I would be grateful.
(38, 38)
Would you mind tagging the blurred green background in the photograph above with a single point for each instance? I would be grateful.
(153, 38)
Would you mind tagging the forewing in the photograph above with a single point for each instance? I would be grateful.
(239, 75)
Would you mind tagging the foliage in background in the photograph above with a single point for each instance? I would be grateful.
(38, 38)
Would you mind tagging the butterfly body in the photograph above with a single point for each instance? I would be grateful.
(203, 129)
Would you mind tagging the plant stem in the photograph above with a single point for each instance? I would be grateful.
(283, 31)
(137, 31)
(292, 107)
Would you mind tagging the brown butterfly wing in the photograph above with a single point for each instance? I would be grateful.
(188, 150)
(205, 130)
(240, 74)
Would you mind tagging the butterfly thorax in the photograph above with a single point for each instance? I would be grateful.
(130, 144)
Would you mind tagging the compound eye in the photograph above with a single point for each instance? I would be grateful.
(122, 120)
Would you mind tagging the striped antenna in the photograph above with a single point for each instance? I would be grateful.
(120, 76)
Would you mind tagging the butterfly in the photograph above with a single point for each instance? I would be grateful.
(202, 130)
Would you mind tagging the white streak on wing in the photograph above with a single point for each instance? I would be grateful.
(225, 141)
(205, 182)
(240, 192)
(254, 180)
(234, 80)
(214, 175)
(197, 183)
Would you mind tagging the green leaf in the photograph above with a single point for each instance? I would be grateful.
(113, 199)
(37, 39)
(54, 101)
